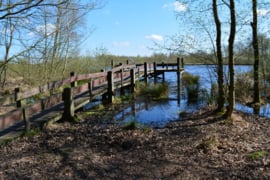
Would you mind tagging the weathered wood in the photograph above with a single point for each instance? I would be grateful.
(96, 84)
(90, 89)
(24, 112)
(110, 87)
(145, 73)
(132, 80)
(74, 82)
(10, 118)
(51, 101)
(68, 114)
(16, 97)
(155, 72)
(182, 63)
(121, 82)
(178, 64)
(80, 89)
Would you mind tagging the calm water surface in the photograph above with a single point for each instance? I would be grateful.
(158, 114)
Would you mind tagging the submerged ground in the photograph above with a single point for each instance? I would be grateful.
(202, 146)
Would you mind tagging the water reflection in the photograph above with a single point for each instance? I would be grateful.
(159, 113)
(263, 110)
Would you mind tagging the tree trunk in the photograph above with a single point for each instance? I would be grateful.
(231, 99)
(256, 98)
(221, 98)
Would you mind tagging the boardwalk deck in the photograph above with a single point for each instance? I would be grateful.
(97, 84)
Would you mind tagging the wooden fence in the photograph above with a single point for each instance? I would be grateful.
(60, 99)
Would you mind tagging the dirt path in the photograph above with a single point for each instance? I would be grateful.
(203, 146)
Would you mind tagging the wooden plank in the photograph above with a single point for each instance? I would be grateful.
(90, 76)
(52, 101)
(57, 84)
(29, 93)
(99, 82)
(124, 67)
(43, 104)
(117, 68)
(10, 118)
(80, 89)
(34, 108)
(126, 74)
(42, 89)
(167, 64)
(98, 75)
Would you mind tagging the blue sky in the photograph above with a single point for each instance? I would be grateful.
(130, 27)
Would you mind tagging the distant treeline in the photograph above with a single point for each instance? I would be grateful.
(42, 72)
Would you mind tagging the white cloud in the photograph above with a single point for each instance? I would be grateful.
(121, 43)
(263, 12)
(177, 6)
(49, 29)
(154, 37)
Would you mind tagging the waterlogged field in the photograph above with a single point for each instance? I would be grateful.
(159, 113)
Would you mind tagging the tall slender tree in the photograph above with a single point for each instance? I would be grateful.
(255, 44)
(231, 99)
(41, 32)
(221, 97)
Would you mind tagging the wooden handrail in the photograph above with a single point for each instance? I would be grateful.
(91, 84)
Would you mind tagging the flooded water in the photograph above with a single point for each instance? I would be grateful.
(159, 113)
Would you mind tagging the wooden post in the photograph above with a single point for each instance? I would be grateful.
(127, 62)
(132, 80)
(112, 64)
(178, 70)
(73, 83)
(69, 110)
(18, 102)
(110, 86)
(178, 80)
(145, 73)
(90, 88)
(178, 64)
(182, 63)
(155, 72)
(163, 76)
(122, 81)
(25, 114)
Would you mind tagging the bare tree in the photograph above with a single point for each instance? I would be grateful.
(231, 98)
(255, 44)
(23, 8)
(43, 32)
(221, 95)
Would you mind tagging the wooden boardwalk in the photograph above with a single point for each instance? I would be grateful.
(79, 90)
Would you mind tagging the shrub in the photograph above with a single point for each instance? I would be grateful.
(132, 125)
(191, 83)
(159, 91)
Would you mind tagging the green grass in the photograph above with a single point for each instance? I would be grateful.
(30, 133)
(6, 141)
(132, 125)
(256, 155)
(156, 91)
(192, 84)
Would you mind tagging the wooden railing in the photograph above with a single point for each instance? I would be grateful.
(77, 90)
